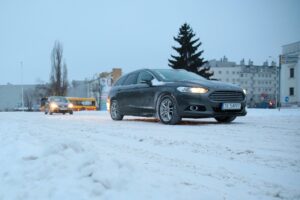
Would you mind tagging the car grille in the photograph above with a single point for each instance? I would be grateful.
(227, 96)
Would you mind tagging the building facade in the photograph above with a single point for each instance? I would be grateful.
(100, 84)
(290, 75)
(19, 97)
(260, 81)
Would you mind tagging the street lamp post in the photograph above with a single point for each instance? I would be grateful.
(279, 75)
(276, 80)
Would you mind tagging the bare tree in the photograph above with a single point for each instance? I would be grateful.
(29, 98)
(59, 73)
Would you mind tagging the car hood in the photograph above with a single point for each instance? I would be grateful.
(216, 85)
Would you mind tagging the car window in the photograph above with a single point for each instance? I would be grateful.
(131, 79)
(120, 81)
(59, 99)
(144, 76)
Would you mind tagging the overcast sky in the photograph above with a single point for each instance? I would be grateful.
(99, 35)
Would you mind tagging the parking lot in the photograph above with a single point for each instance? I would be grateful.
(89, 156)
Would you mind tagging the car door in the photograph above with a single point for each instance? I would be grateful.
(126, 95)
(145, 93)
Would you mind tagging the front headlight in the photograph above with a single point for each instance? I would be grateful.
(70, 105)
(244, 91)
(195, 90)
(53, 105)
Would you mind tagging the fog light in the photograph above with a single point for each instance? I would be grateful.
(193, 108)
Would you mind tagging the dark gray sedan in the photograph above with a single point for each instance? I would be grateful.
(174, 94)
(58, 104)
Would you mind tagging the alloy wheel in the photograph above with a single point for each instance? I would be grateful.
(166, 109)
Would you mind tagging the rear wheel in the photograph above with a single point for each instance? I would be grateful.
(167, 110)
(225, 119)
(71, 112)
(115, 111)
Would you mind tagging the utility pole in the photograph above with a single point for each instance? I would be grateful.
(22, 86)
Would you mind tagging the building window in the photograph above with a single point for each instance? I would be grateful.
(291, 91)
(292, 72)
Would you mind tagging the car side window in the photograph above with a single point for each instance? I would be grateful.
(120, 81)
(144, 76)
(131, 79)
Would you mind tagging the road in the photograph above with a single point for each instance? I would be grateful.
(89, 156)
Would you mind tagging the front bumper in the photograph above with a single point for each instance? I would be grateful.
(60, 110)
(205, 106)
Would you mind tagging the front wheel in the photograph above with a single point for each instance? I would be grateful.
(225, 119)
(167, 110)
(115, 111)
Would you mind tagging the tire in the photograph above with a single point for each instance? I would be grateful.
(167, 110)
(50, 113)
(225, 119)
(114, 111)
(71, 112)
(63, 113)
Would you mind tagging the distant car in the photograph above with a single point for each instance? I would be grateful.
(174, 94)
(58, 104)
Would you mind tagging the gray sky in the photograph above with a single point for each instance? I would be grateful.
(131, 34)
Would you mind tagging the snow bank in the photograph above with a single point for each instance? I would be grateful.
(88, 156)
(57, 171)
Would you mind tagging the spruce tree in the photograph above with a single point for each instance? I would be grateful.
(189, 58)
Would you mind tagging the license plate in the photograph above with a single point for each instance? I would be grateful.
(231, 106)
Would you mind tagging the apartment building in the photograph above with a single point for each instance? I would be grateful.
(290, 74)
(260, 81)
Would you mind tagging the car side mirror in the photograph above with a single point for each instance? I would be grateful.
(148, 82)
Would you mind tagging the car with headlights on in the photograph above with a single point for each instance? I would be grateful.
(58, 104)
(171, 95)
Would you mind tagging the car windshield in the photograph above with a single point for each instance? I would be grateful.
(59, 99)
(177, 75)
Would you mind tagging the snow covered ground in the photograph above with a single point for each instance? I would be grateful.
(89, 156)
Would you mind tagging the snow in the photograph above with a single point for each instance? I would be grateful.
(89, 156)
